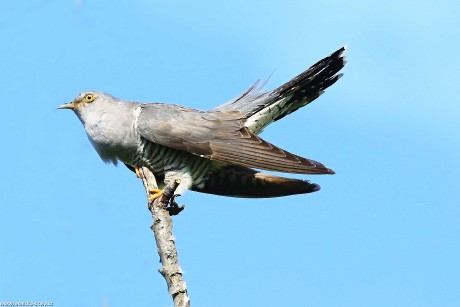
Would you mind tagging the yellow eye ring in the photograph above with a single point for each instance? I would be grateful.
(89, 98)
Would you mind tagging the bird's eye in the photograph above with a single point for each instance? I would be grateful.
(88, 98)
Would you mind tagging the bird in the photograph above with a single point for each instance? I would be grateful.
(218, 151)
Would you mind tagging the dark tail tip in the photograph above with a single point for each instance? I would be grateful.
(315, 187)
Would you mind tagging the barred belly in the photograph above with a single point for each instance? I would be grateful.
(166, 163)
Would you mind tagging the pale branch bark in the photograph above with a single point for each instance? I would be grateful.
(162, 230)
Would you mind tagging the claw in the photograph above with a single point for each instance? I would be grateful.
(156, 193)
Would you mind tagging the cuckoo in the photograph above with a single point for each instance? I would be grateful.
(217, 151)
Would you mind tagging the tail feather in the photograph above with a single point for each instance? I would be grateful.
(263, 108)
(238, 181)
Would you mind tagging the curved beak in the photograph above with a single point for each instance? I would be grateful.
(69, 105)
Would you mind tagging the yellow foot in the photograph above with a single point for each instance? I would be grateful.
(136, 169)
(156, 193)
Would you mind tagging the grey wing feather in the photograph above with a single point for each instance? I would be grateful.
(218, 135)
(185, 128)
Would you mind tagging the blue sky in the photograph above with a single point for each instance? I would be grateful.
(383, 231)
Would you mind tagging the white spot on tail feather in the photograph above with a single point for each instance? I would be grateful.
(257, 122)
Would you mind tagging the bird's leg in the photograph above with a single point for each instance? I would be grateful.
(136, 170)
(172, 207)
(185, 182)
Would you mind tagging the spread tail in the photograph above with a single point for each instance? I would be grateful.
(263, 108)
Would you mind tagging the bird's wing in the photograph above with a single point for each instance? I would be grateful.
(218, 135)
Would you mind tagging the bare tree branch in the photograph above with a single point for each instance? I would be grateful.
(162, 230)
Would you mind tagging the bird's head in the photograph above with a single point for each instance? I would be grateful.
(91, 104)
(83, 100)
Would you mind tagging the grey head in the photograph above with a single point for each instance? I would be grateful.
(109, 124)
(90, 102)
